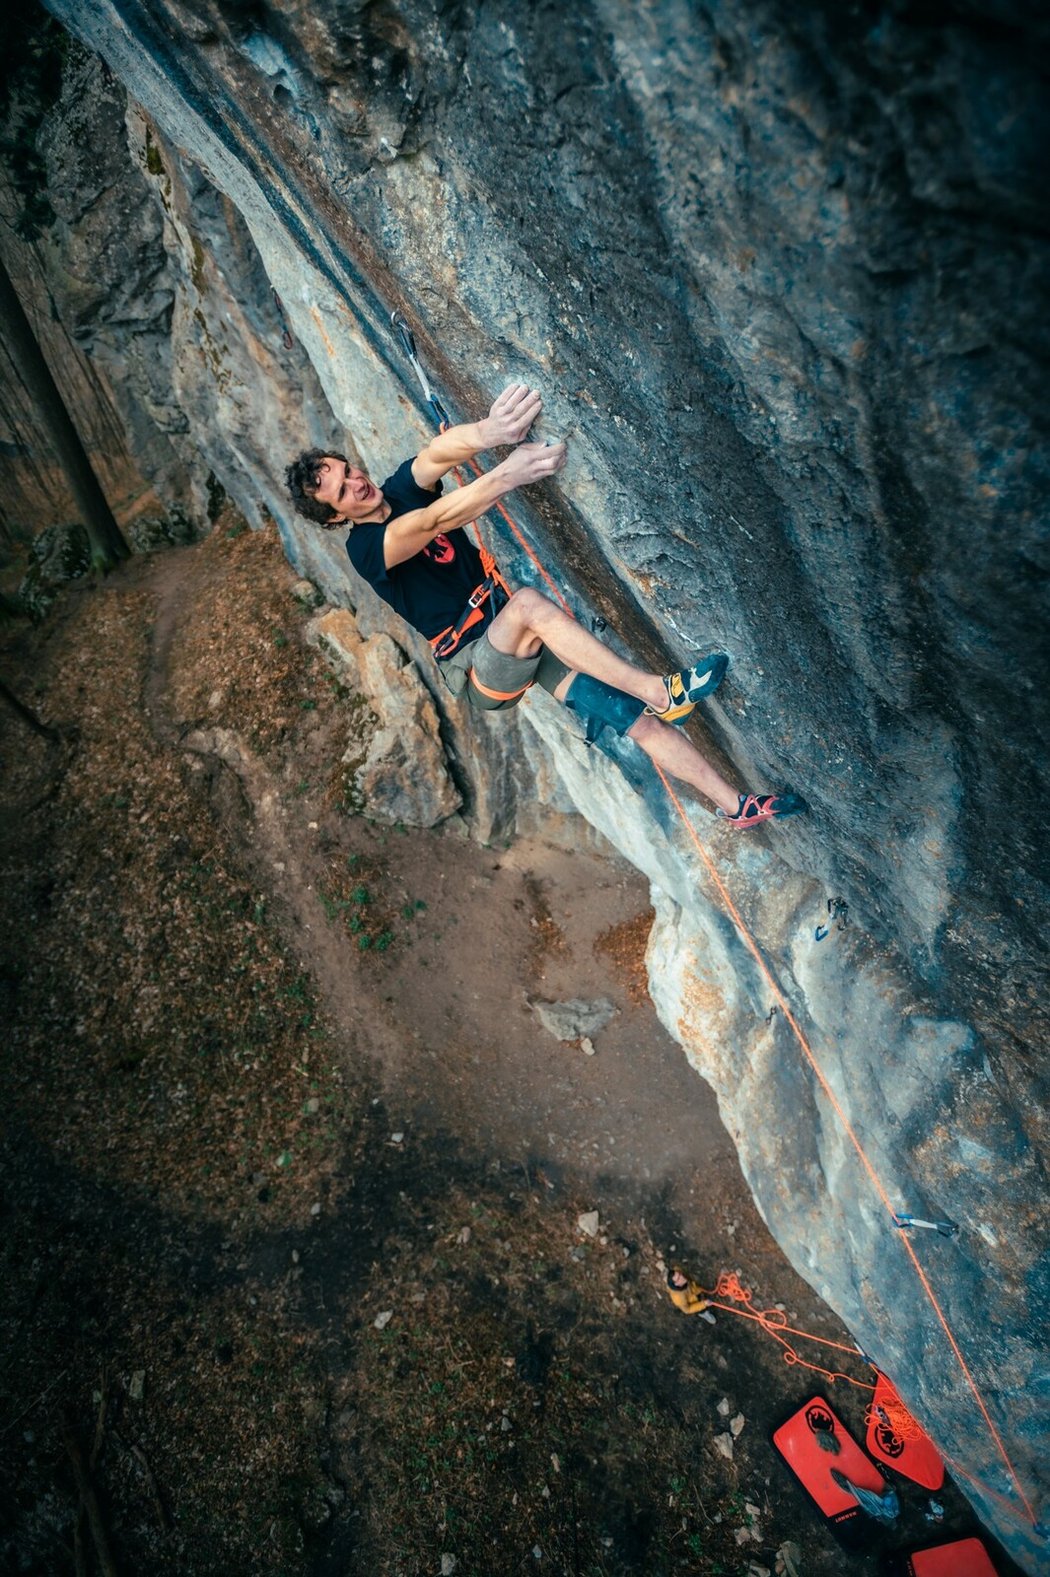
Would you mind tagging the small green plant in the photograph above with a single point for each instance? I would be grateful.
(154, 162)
(364, 941)
(361, 895)
(383, 941)
(238, 529)
(280, 641)
(308, 706)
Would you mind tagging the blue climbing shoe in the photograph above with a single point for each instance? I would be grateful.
(690, 685)
(755, 808)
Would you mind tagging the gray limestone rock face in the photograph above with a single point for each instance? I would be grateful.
(781, 274)
(397, 767)
(402, 776)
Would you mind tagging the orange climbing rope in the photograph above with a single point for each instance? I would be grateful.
(781, 1001)
(1007, 1505)
(774, 1323)
(896, 1414)
(753, 948)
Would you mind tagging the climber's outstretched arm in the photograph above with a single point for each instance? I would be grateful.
(512, 414)
(409, 534)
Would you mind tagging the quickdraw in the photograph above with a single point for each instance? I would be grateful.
(408, 345)
(947, 1229)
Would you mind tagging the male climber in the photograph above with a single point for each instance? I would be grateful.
(404, 540)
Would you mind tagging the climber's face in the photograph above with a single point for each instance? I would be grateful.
(347, 490)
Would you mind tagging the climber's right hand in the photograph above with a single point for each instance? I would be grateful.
(532, 462)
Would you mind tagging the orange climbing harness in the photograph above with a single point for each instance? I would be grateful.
(448, 641)
(769, 1324)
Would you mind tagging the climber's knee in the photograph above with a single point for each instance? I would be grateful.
(528, 605)
(647, 729)
(526, 598)
(601, 706)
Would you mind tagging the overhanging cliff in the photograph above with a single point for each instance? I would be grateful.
(781, 278)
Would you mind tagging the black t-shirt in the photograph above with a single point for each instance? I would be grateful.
(429, 590)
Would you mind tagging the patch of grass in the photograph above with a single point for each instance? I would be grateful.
(361, 906)
(333, 907)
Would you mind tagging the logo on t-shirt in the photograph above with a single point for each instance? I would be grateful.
(440, 550)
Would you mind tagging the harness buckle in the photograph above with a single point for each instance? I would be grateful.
(446, 643)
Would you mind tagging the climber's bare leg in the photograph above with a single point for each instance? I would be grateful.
(669, 748)
(679, 757)
(530, 620)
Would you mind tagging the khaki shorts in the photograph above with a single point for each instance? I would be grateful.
(491, 681)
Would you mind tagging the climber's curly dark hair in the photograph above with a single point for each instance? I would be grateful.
(303, 477)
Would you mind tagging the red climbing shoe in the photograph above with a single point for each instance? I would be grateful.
(754, 808)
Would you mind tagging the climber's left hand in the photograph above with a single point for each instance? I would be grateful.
(512, 414)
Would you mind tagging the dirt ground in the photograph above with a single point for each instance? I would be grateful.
(294, 1280)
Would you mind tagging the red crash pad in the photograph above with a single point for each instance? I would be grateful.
(917, 1459)
(797, 1442)
(962, 1558)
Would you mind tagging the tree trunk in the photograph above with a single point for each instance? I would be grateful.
(108, 546)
